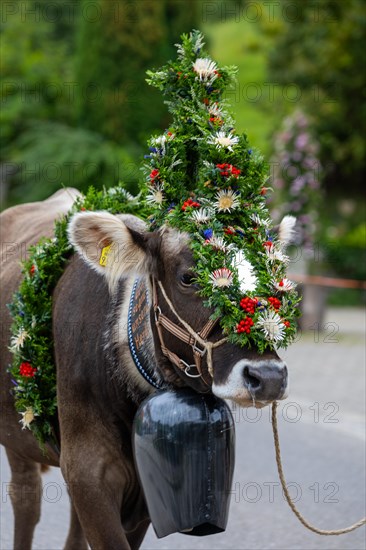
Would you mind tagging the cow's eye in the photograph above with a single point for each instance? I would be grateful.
(187, 279)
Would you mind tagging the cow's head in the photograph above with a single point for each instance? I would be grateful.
(164, 256)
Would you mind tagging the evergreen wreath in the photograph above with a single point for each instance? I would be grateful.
(33, 371)
(201, 178)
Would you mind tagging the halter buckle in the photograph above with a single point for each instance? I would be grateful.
(198, 350)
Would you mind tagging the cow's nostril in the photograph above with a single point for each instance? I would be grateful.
(251, 381)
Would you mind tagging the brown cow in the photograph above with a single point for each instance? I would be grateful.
(99, 387)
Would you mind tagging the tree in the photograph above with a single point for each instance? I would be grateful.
(116, 47)
(321, 50)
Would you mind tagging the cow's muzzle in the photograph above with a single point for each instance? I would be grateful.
(266, 381)
(254, 382)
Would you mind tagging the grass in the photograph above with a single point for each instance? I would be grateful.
(245, 45)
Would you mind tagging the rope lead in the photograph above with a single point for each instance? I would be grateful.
(287, 495)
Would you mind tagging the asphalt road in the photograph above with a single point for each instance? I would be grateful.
(322, 434)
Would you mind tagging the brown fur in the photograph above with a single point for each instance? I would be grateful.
(98, 387)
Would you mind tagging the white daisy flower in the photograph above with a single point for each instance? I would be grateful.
(27, 417)
(156, 195)
(224, 141)
(214, 110)
(218, 243)
(202, 215)
(285, 285)
(272, 326)
(226, 200)
(222, 277)
(248, 281)
(273, 253)
(17, 342)
(265, 222)
(205, 68)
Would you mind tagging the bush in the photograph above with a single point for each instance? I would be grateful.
(50, 154)
(347, 254)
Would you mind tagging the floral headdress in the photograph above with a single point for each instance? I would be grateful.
(203, 178)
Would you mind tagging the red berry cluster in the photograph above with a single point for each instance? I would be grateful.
(229, 230)
(32, 269)
(275, 302)
(190, 203)
(228, 170)
(269, 244)
(154, 174)
(245, 325)
(27, 370)
(248, 304)
(287, 323)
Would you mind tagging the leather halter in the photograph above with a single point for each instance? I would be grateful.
(198, 341)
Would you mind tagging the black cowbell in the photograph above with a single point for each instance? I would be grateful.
(184, 446)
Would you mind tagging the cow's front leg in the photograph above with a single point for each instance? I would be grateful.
(96, 488)
(75, 538)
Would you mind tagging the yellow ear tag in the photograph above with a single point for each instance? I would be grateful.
(104, 255)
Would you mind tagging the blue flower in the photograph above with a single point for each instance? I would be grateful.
(207, 233)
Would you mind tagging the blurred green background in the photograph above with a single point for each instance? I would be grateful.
(76, 109)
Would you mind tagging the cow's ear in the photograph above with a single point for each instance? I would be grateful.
(110, 245)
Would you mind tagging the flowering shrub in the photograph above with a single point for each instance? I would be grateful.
(296, 177)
